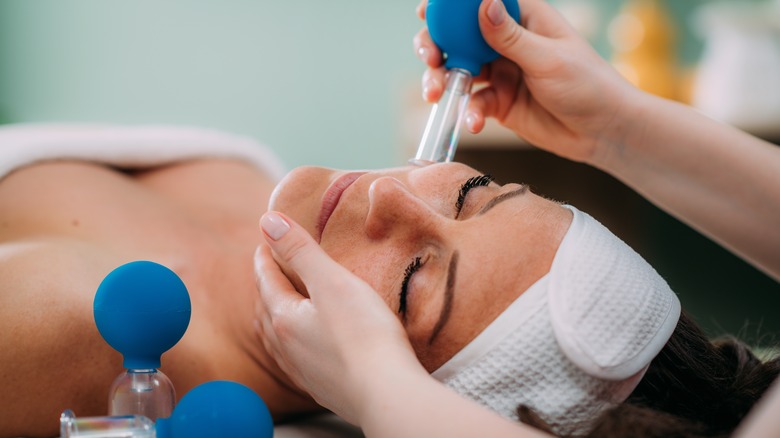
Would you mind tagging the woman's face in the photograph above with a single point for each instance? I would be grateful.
(446, 266)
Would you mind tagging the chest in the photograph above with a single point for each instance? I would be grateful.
(195, 202)
(198, 218)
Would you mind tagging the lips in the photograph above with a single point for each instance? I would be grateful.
(331, 197)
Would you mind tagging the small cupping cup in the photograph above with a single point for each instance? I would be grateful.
(142, 309)
(218, 408)
(454, 27)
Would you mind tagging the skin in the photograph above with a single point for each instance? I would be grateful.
(386, 219)
(763, 419)
(65, 225)
(551, 88)
(76, 221)
(338, 339)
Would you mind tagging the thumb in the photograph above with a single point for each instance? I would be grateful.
(508, 38)
(297, 249)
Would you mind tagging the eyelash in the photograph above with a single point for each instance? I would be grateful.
(476, 181)
(410, 270)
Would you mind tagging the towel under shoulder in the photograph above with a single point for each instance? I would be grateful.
(128, 147)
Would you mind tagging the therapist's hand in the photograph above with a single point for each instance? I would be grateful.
(338, 343)
(550, 87)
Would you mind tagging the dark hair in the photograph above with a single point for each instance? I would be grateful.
(693, 388)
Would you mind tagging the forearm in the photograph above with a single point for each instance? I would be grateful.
(763, 419)
(413, 404)
(717, 179)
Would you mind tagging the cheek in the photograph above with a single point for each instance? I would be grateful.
(373, 264)
(382, 266)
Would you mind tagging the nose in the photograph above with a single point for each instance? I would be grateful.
(393, 209)
(419, 163)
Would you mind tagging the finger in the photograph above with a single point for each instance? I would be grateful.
(484, 73)
(509, 38)
(496, 99)
(421, 9)
(276, 292)
(260, 315)
(263, 326)
(277, 333)
(426, 50)
(433, 84)
(267, 336)
(273, 346)
(475, 119)
(295, 247)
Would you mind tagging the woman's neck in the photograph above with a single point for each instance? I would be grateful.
(247, 335)
(229, 301)
(223, 200)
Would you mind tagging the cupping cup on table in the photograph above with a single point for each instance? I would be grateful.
(142, 309)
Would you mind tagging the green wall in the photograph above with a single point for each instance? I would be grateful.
(322, 82)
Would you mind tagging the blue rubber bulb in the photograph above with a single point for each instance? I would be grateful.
(218, 408)
(454, 27)
(142, 309)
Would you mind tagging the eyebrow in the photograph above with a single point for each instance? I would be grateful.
(449, 291)
(501, 198)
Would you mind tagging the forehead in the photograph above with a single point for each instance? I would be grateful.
(501, 255)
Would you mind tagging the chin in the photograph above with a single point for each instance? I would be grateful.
(278, 192)
(299, 195)
(283, 200)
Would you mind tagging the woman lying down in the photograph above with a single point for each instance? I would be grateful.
(527, 306)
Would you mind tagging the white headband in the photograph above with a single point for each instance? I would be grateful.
(578, 341)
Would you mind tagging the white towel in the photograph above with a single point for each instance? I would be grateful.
(128, 147)
(578, 341)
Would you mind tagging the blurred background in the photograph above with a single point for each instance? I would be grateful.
(336, 83)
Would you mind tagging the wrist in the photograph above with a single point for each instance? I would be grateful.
(624, 133)
(386, 388)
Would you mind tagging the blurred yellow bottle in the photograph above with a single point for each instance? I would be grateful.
(643, 38)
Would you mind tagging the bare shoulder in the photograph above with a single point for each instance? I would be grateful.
(46, 325)
(65, 225)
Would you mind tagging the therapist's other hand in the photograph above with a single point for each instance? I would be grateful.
(549, 86)
(338, 342)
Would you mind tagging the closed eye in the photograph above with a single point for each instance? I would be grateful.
(416, 264)
(476, 181)
(410, 270)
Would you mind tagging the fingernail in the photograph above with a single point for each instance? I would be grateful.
(428, 85)
(496, 12)
(426, 90)
(471, 119)
(423, 53)
(274, 225)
